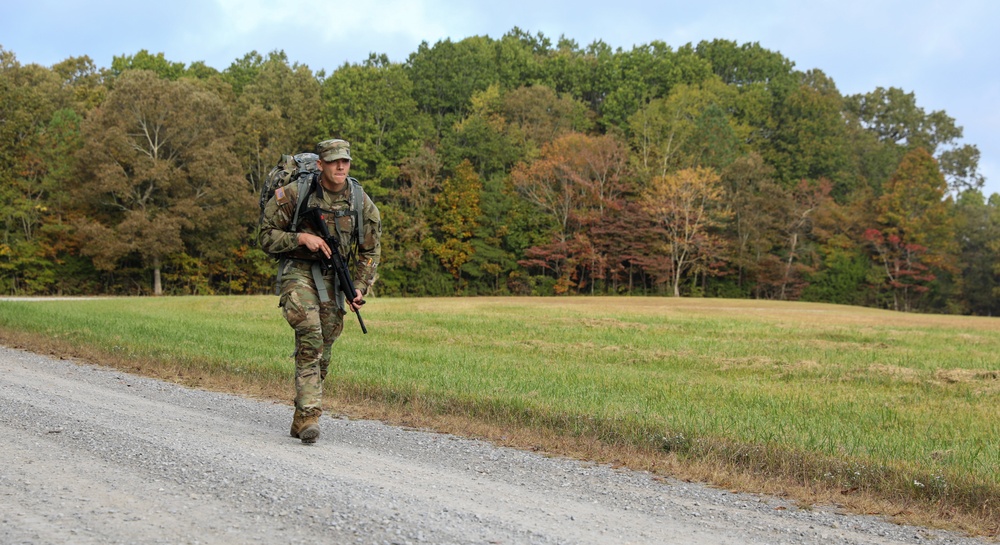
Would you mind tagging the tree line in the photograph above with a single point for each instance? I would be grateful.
(510, 166)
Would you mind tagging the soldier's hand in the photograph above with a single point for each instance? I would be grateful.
(314, 243)
(357, 301)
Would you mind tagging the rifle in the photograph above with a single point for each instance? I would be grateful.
(335, 262)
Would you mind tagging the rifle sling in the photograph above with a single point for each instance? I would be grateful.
(316, 271)
(317, 274)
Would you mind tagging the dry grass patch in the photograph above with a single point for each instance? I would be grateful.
(895, 372)
(966, 376)
(978, 381)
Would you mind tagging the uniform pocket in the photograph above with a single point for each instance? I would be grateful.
(292, 307)
(346, 225)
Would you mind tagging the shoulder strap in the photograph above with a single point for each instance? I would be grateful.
(305, 186)
(359, 206)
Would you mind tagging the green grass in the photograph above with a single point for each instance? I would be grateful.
(904, 405)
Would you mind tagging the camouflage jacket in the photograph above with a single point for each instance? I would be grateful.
(278, 236)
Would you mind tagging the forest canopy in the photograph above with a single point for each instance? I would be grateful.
(510, 166)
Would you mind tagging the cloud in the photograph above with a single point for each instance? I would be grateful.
(322, 34)
(329, 22)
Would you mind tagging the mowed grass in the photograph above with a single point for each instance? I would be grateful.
(902, 406)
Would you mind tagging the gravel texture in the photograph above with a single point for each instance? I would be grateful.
(92, 455)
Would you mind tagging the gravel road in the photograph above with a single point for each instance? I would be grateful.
(92, 455)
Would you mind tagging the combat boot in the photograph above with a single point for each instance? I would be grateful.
(297, 421)
(305, 424)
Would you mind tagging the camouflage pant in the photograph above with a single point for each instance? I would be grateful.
(317, 325)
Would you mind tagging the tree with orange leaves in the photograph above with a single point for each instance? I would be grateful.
(577, 181)
(688, 206)
(917, 231)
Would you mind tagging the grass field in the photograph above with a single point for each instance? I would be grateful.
(901, 408)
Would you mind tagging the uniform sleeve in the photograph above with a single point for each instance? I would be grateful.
(369, 248)
(274, 237)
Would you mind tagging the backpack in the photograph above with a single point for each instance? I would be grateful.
(302, 169)
(290, 169)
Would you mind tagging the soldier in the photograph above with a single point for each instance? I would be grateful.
(305, 290)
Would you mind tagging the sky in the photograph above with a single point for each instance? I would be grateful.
(943, 51)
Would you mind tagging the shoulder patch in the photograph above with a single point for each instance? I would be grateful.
(280, 196)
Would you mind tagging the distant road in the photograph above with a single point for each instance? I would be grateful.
(92, 455)
(48, 298)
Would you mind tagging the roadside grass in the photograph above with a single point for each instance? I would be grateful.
(873, 410)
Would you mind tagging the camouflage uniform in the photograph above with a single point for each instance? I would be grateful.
(318, 323)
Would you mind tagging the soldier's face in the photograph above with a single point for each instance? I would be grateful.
(335, 172)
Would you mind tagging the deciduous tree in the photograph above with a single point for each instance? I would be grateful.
(648, 72)
(689, 206)
(810, 140)
(916, 231)
(456, 216)
(756, 202)
(40, 111)
(894, 117)
(144, 60)
(159, 175)
(372, 106)
(575, 174)
(669, 134)
(542, 115)
(447, 74)
(484, 137)
(277, 112)
(977, 224)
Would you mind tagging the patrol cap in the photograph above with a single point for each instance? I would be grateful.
(331, 150)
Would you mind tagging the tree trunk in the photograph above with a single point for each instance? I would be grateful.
(788, 266)
(157, 285)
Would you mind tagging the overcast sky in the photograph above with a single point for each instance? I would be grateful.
(940, 50)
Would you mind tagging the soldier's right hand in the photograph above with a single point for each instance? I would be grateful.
(314, 243)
